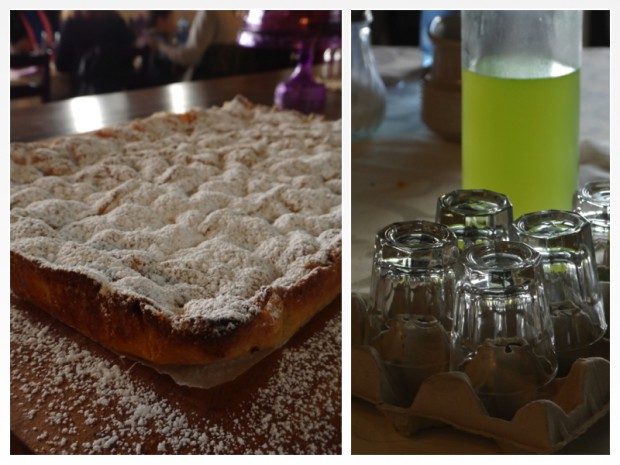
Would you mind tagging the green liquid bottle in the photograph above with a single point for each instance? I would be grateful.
(520, 115)
(521, 137)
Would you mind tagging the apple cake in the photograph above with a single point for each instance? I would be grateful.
(182, 239)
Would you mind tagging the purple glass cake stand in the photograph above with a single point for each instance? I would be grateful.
(300, 31)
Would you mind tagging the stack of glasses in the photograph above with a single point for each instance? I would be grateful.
(511, 303)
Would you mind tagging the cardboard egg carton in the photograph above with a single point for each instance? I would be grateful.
(567, 407)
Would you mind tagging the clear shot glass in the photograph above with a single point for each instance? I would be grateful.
(476, 216)
(503, 335)
(564, 241)
(592, 202)
(411, 300)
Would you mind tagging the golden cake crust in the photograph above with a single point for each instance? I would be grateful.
(124, 324)
(209, 252)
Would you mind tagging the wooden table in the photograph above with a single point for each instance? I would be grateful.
(83, 114)
(70, 395)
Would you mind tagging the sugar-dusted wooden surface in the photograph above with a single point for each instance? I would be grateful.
(70, 395)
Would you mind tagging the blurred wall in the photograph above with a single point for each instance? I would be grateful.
(403, 27)
(128, 14)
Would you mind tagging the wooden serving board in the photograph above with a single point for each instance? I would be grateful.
(70, 395)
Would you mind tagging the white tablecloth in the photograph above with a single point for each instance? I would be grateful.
(399, 173)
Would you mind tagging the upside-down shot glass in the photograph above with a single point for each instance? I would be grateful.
(503, 335)
(476, 216)
(592, 201)
(410, 308)
(564, 240)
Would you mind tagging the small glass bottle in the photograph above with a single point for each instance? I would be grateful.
(368, 94)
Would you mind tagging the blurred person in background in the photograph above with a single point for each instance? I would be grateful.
(211, 48)
(96, 48)
(159, 69)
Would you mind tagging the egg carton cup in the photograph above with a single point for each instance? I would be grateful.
(567, 407)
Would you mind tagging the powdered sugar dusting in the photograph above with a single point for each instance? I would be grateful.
(143, 207)
(86, 404)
